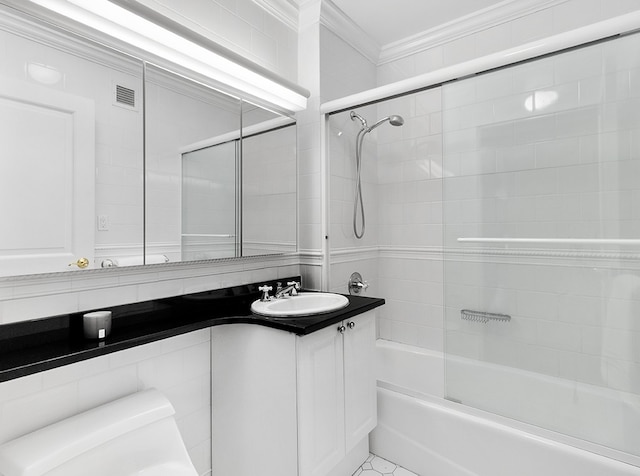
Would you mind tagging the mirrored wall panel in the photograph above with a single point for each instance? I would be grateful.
(269, 183)
(71, 161)
(108, 161)
(209, 202)
(191, 159)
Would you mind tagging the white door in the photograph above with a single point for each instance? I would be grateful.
(320, 401)
(359, 378)
(47, 177)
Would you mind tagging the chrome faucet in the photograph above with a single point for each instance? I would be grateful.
(291, 289)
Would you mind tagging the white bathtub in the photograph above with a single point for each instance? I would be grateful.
(420, 430)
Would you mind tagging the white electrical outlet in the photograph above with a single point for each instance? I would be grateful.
(103, 222)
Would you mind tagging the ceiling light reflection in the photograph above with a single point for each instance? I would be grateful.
(540, 100)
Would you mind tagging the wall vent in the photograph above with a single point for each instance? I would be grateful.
(125, 96)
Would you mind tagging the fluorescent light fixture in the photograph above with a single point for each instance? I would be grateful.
(126, 26)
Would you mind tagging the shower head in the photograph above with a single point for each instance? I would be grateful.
(394, 120)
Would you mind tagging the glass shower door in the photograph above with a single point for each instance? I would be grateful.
(541, 203)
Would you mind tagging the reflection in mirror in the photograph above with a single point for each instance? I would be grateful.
(86, 166)
(71, 164)
(269, 178)
(183, 120)
(209, 204)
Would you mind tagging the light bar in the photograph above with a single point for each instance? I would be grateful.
(139, 32)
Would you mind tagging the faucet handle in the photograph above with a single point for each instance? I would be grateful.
(296, 287)
(357, 284)
(265, 292)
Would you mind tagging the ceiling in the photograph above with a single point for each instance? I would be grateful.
(388, 21)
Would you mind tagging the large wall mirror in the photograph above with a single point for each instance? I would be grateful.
(110, 160)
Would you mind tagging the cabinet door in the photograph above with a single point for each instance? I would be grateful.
(253, 401)
(359, 377)
(320, 401)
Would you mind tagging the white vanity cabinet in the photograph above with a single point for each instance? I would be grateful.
(287, 405)
(336, 393)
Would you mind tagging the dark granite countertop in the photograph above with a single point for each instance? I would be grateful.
(34, 346)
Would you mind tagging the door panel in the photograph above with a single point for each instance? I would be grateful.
(49, 172)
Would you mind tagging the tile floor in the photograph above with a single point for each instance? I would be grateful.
(376, 466)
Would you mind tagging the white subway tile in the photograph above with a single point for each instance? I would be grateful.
(195, 427)
(533, 76)
(20, 387)
(534, 129)
(107, 386)
(31, 412)
(520, 157)
(74, 372)
(557, 153)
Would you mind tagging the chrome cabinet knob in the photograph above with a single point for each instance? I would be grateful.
(341, 329)
(351, 324)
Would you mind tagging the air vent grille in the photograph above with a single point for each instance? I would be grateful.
(125, 96)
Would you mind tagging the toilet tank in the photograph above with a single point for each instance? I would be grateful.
(130, 436)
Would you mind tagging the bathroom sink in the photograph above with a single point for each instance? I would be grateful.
(304, 304)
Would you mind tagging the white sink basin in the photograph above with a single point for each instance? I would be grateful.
(303, 304)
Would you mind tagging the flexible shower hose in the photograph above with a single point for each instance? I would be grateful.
(358, 195)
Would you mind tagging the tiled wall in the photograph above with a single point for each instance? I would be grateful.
(400, 254)
(410, 215)
(179, 367)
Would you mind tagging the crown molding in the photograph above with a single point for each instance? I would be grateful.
(339, 23)
(484, 19)
(284, 10)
